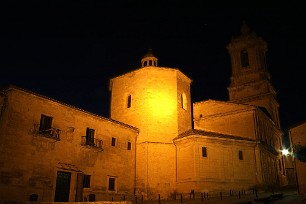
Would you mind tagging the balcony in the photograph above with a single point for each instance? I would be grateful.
(92, 143)
(52, 133)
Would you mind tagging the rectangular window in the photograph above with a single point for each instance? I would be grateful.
(129, 101)
(204, 151)
(113, 141)
(129, 147)
(45, 124)
(240, 155)
(111, 184)
(90, 136)
(86, 181)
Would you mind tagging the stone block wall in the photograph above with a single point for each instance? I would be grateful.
(29, 161)
(219, 169)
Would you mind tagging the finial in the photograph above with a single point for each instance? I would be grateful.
(244, 28)
(150, 53)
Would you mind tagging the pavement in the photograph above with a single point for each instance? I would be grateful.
(289, 197)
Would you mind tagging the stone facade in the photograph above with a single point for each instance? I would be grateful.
(156, 95)
(297, 137)
(219, 168)
(30, 159)
(242, 123)
(157, 142)
(251, 81)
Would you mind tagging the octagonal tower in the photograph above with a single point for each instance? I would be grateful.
(157, 101)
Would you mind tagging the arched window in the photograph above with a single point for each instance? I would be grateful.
(184, 101)
(244, 57)
(150, 63)
(129, 101)
(145, 63)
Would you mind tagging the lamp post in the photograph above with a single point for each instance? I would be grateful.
(286, 153)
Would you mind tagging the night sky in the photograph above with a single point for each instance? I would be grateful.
(69, 52)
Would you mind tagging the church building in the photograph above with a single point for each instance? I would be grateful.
(157, 142)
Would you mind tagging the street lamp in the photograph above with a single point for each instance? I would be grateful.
(285, 152)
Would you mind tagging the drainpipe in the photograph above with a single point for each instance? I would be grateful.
(135, 164)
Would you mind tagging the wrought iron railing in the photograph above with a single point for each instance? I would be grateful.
(91, 142)
(53, 133)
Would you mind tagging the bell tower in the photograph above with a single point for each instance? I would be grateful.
(250, 80)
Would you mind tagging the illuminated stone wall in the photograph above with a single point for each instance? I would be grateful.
(225, 118)
(157, 109)
(29, 161)
(156, 170)
(270, 105)
(220, 169)
(155, 102)
(297, 136)
(250, 122)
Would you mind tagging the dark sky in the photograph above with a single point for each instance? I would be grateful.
(70, 51)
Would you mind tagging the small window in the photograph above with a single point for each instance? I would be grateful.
(240, 155)
(184, 101)
(45, 123)
(86, 181)
(204, 151)
(244, 57)
(145, 64)
(111, 184)
(129, 101)
(113, 141)
(90, 136)
(92, 197)
(129, 147)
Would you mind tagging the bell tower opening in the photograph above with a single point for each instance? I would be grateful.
(244, 58)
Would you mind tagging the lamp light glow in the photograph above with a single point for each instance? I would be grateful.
(285, 152)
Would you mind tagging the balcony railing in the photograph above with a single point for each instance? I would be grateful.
(53, 133)
(95, 143)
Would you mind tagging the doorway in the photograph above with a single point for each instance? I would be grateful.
(62, 186)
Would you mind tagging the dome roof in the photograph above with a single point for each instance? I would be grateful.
(149, 54)
(149, 60)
